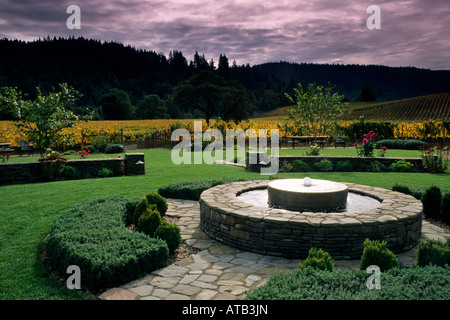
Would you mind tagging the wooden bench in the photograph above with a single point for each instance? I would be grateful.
(320, 140)
(340, 141)
(4, 151)
(4, 147)
(25, 147)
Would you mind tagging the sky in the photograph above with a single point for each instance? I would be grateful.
(412, 32)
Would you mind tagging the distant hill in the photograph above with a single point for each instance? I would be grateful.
(94, 67)
(429, 107)
(388, 83)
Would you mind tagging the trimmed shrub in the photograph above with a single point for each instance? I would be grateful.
(343, 166)
(115, 148)
(324, 165)
(148, 222)
(287, 167)
(445, 208)
(434, 252)
(170, 233)
(190, 190)
(104, 173)
(100, 142)
(410, 144)
(141, 207)
(300, 166)
(376, 166)
(377, 253)
(70, 173)
(431, 200)
(401, 188)
(426, 283)
(382, 129)
(159, 201)
(414, 144)
(402, 166)
(93, 236)
(317, 258)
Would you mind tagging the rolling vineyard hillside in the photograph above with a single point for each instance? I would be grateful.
(423, 108)
(430, 107)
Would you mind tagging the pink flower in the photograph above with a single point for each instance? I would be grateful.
(355, 144)
(364, 140)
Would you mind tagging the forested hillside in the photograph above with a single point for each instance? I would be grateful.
(388, 83)
(147, 84)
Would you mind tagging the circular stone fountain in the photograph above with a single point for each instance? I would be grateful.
(307, 195)
(232, 214)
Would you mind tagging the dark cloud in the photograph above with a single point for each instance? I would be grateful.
(413, 32)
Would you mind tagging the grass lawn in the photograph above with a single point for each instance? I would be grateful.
(27, 211)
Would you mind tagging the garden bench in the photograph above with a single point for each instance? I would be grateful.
(340, 141)
(25, 147)
(320, 140)
(4, 148)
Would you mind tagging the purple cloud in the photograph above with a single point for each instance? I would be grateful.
(413, 32)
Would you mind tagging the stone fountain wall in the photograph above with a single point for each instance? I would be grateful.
(398, 221)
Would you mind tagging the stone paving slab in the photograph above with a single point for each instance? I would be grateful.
(220, 272)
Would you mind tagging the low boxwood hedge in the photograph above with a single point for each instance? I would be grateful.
(93, 236)
(408, 144)
(419, 283)
(191, 190)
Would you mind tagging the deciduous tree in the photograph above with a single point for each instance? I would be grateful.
(43, 119)
(315, 105)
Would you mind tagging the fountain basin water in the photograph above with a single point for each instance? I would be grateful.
(307, 195)
(355, 202)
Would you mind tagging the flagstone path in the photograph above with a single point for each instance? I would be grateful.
(220, 272)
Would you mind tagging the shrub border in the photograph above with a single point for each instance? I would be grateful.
(66, 246)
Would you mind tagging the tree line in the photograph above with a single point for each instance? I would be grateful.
(122, 82)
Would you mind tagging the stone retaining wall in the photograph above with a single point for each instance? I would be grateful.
(398, 221)
(29, 172)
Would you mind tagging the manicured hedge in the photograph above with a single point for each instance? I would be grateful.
(93, 236)
(419, 283)
(435, 252)
(115, 148)
(409, 144)
(190, 190)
